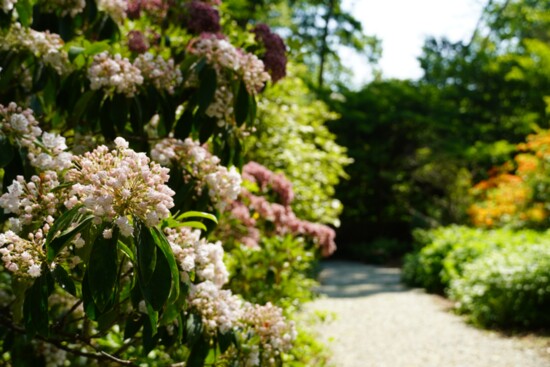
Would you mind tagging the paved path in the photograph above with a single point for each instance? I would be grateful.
(380, 323)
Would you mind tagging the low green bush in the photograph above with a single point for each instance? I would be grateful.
(279, 271)
(507, 288)
(443, 252)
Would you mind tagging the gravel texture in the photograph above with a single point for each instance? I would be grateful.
(380, 323)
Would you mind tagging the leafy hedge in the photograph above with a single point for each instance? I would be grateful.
(510, 287)
(499, 277)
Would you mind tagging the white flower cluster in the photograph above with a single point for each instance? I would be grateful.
(113, 185)
(224, 185)
(228, 61)
(7, 5)
(115, 8)
(32, 202)
(115, 74)
(220, 310)
(46, 45)
(22, 257)
(66, 7)
(46, 151)
(275, 332)
(161, 73)
(198, 255)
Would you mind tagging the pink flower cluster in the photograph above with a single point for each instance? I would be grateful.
(66, 7)
(255, 172)
(228, 61)
(48, 46)
(195, 254)
(46, 151)
(251, 209)
(114, 74)
(200, 166)
(164, 75)
(32, 202)
(115, 8)
(22, 257)
(115, 185)
(275, 332)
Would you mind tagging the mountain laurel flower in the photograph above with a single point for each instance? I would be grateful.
(220, 310)
(7, 5)
(114, 74)
(113, 185)
(115, 8)
(228, 61)
(164, 75)
(32, 201)
(22, 257)
(45, 45)
(196, 254)
(268, 322)
(66, 7)
(198, 164)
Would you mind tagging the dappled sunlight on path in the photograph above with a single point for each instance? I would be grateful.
(379, 322)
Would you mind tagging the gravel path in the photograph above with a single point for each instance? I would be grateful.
(380, 323)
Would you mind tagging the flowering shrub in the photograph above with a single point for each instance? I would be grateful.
(497, 277)
(102, 260)
(515, 194)
(253, 213)
(507, 288)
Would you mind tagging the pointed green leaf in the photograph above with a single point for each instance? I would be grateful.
(195, 214)
(59, 242)
(207, 88)
(64, 280)
(7, 152)
(103, 271)
(35, 307)
(146, 252)
(164, 246)
(242, 104)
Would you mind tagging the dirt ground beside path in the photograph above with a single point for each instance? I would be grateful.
(380, 323)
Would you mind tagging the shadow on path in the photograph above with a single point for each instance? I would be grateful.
(344, 279)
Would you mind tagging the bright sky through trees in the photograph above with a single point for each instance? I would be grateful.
(403, 25)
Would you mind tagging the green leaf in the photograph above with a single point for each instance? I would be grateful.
(90, 307)
(242, 104)
(35, 307)
(193, 329)
(24, 11)
(164, 246)
(60, 225)
(207, 87)
(122, 246)
(146, 252)
(64, 280)
(82, 104)
(7, 152)
(225, 340)
(198, 353)
(150, 338)
(132, 326)
(195, 214)
(74, 51)
(103, 271)
(157, 290)
(207, 125)
(59, 242)
(118, 113)
(184, 125)
(96, 47)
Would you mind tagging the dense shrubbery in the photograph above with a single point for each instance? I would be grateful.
(144, 109)
(510, 287)
(492, 274)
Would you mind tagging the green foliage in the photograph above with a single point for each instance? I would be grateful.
(291, 137)
(443, 252)
(498, 277)
(507, 288)
(280, 271)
